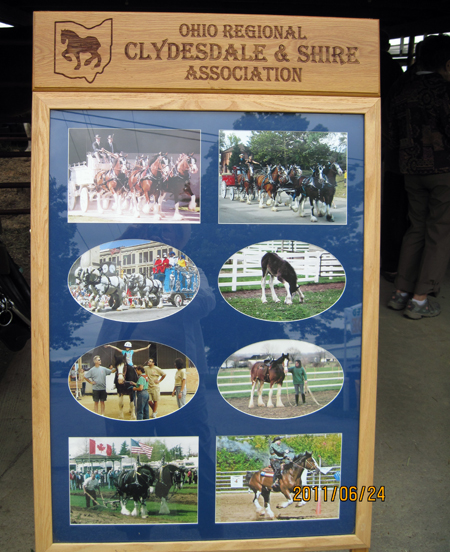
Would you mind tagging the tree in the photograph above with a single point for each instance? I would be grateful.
(289, 147)
(234, 159)
(124, 450)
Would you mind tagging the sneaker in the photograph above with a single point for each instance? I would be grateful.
(398, 301)
(428, 310)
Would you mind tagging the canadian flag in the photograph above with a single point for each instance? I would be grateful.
(99, 448)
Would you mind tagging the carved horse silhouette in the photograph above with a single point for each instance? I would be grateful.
(260, 482)
(272, 373)
(77, 45)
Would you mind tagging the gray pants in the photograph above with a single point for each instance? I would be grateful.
(426, 246)
(181, 402)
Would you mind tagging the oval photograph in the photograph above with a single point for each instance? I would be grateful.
(281, 378)
(282, 280)
(133, 380)
(133, 280)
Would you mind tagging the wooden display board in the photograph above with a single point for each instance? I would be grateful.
(298, 94)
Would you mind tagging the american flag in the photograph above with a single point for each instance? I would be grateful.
(141, 448)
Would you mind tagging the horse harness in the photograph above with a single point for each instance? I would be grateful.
(98, 281)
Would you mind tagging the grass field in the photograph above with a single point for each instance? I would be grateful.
(183, 507)
(225, 279)
(315, 303)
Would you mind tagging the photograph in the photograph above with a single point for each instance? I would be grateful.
(304, 280)
(280, 378)
(133, 280)
(131, 381)
(282, 177)
(137, 480)
(267, 477)
(134, 175)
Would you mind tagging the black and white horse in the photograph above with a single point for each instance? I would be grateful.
(331, 170)
(169, 476)
(273, 265)
(312, 188)
(147, 289)
(124, 374)
(98, 284)
(135, 484)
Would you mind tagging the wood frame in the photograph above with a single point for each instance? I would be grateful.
(43, 103)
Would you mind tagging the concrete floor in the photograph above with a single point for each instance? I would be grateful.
(412, 457)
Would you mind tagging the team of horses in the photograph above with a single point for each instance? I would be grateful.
(146, 185)
(268, 184)
(97, 284)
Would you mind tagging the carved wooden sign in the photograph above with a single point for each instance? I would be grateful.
(204, 52)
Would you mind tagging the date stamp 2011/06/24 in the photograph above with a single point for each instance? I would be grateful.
(343, 493)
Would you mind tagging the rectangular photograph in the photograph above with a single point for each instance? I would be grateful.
(282, 177)
(139, 480)
(134, 175)
(277, 477)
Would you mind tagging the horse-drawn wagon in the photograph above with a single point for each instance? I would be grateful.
(180, 285)
(83, 184)
(229, 186)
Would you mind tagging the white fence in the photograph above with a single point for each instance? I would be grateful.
(244, 267)
(229, 482)
(234, 384)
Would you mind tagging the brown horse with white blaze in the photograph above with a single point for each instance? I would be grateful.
(272, 373)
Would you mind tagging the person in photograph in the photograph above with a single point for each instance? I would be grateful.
(173, 259)
(180, 383)
(90, 487)
(158, 269)
(97, 377)
(97, 148)
(128, 351)
(155, 376)
(299, 378)
(141, 387)
(110, 146)
(279, 453)
(165, 262)
(242, 165)
(252, 163)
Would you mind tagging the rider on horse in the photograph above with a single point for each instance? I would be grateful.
(279, 453)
